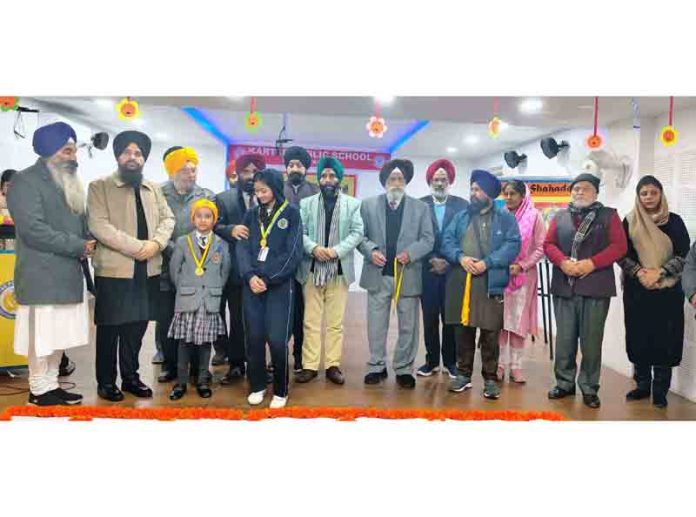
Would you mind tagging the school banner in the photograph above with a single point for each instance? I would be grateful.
(8, 309)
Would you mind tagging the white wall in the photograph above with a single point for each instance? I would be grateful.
(676, 168)
(18, 153)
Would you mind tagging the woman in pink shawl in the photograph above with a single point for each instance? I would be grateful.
(520, 308)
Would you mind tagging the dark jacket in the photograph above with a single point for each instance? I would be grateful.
(231, 212)
(305, 190)
(284, 244)
(505, 245)
(193, 291)
(50, 240)
(453, 206)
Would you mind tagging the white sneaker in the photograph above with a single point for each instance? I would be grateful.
(278, 402)
(256, 398)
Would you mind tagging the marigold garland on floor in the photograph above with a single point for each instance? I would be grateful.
(87, 413)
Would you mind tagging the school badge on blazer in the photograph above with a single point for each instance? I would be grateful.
(216, 258)
(283, 223)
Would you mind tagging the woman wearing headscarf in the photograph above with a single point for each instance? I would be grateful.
(520, 298)
(658, 243)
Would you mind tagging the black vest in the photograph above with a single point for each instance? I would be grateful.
(598, 284)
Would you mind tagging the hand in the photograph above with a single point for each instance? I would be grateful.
(693, 300)
(403, 258)
(90, 246)
(569, 267)
(515, 269)
(467, 264)
(149, 250)
(257, 285)
(480, 267)
(239, 232)
(584, 267)
(438, 266)
(649, 278)
(378, 258)
(321, 254)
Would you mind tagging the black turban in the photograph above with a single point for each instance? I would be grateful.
(126, 138)
(405, 166)
(297, 153)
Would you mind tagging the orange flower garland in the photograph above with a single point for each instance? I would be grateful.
(346, 414)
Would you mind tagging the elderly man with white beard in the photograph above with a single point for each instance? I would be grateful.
(47, 204)
(398, 234)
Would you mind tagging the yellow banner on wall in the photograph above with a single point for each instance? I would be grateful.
(8, 309)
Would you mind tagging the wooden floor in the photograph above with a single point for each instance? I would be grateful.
(429, 392)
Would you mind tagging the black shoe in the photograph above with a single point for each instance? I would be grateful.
(204, 391)
(637, 394)
(591, 401)
(166, 376)
(47, 399)
(559, 393)
(69, 398)
(67, 367)
(335, 375)
(177, 392)
(406, 381)
(659, 400)
(375, 377)
(219, 360)
(137, 388)
(305, 376)
(235, 373)
(110, 392)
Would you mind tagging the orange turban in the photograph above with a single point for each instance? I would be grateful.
(176, 160)
(205, 203)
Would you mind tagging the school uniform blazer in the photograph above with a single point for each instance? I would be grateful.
(193, 291)
(350, 234)
(284, 248)
(416, 237)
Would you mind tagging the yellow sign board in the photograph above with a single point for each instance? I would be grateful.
(8, 310)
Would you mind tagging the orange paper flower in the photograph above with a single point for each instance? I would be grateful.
(594, 142)
(669, 136)
(494, 127)
(8, 103)
(253, 121)
(127, 109)
(376, 127)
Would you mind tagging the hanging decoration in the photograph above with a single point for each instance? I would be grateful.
(669, 135)
(253, 120)
(495, 124)
(376, 126)
(9, 103)
(595, 142)
(127, 109)
(636, 113)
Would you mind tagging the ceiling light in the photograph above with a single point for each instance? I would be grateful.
(452, 150)
(471, 139)
(384, 100)
(531, 106)
(105, 103)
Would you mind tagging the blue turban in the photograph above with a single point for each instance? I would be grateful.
(49, 139)
(329, 162)
(486, 182)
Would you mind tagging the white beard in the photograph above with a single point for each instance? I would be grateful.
(439, 195)
(395, 195)
(72, 188)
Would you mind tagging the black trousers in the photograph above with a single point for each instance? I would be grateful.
(466, 348)
(659, 376)
(298, 324)
(433, 305)
(234, 344)
(188, 355)
(268, 317)
(123, 341)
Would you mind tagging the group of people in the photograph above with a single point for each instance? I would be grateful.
(277, 253)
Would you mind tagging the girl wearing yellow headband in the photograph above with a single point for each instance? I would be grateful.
(199, 269)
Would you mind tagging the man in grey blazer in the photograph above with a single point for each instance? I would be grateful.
(398, 234)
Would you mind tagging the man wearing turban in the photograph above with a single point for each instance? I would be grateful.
(443, 207)
(47, 204)
(132, 222)
(480, 244)
(233, 205)
(297, 162)
(398, 235)
(181, 191)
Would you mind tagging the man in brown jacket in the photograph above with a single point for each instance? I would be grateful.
(130, 218)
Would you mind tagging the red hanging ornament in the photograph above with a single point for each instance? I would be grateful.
(669, 136)
(495, 124)
(253, 120)
(376, 126)
(595, 142)
(127, 109)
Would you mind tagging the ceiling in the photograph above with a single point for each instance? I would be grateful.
(417, 126)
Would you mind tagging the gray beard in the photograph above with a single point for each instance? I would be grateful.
(395, 195)
(72, 188)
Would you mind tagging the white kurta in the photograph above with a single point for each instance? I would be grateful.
(52, 327)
